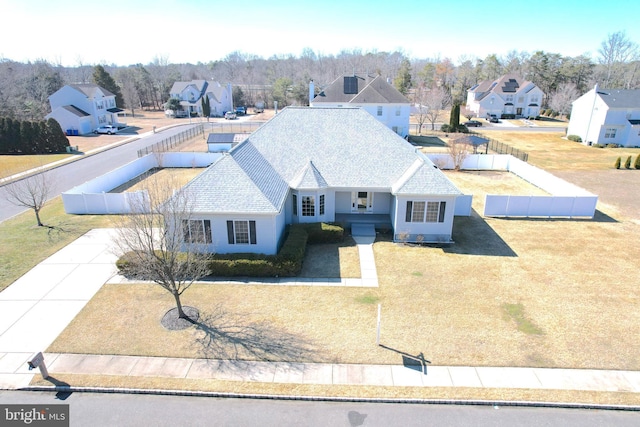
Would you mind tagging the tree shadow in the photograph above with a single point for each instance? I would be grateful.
(229, 336)
(598, 216)
(417, 362)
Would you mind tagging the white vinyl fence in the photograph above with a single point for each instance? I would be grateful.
(93, 197)
(564, 200)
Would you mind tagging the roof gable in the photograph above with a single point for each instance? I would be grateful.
(91, 90)
(362, 89)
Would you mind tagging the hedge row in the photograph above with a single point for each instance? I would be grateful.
(287, 263)
(27, 137)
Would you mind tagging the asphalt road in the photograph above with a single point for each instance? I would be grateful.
(74, 173)
(90, 409)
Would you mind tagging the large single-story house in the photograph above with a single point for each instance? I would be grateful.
(190, 95)
(607, 116)
(81, 108)
(371, 93)
(319, 165)
(509, 95)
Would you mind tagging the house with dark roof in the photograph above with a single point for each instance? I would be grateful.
(509, 95)
(371, 93)
(319, 165)
(607, 116)
(191, 93)
(81, 108)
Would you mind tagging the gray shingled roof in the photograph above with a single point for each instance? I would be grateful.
(425, 178)
(496, 86)
(618, 98)
(89, 89)
(226, 188)
(371, 90)
(315, 148)
(76, 111)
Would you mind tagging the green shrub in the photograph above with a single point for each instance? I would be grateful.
(574, 138)
(637, 162)
(445, 128)
(612, 145)
(618, 162)
(287, 263)
(508, 116)
(627, 163)
(598, 145)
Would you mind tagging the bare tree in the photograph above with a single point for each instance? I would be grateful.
(562, 98)
(31, 193)
(433, 100)
(616, 50)
(161, 240)
(458, 149)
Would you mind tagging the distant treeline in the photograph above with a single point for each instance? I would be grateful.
(31, 137)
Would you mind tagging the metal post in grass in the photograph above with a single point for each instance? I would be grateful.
(378, 328)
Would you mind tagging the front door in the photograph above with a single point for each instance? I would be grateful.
(362, 201)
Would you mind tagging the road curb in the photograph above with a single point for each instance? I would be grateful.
(191, 393)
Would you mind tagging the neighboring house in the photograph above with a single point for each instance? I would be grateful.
(319, 165)
(82, 108)
(509, 95)
(371, 93)
(607, 116)
(190, 95)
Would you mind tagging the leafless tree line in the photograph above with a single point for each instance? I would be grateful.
(25, 87)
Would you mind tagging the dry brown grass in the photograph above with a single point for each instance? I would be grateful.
(448, 303)
(549, 151)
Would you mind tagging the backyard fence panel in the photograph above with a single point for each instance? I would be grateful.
(463, 205)
(495, 205)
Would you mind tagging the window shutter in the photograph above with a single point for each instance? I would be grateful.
(442, 209)
(407, 217)
(252, 232)
(230, 232)
(207, 231)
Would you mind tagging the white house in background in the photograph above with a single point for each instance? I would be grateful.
(607, 116)
(190, 95)
(319, 165)
(371, 93)
(82, 108)
(510, 95)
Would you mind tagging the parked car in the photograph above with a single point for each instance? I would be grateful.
(229, 115)
(492, 118)
(108, 129)
(472, 123)
(241, 111)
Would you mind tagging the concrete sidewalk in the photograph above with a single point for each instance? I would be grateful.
(345, 374)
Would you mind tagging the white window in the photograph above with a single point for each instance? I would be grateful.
(241, 232)
(520, 99)
(397, 111)
(418, 211)
(321, 205)
(379, 110)
(610, 133)
(308, 206)
(196, 231)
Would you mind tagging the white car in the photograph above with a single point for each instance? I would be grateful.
(108, 129)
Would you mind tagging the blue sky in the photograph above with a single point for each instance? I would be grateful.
(126, 32)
